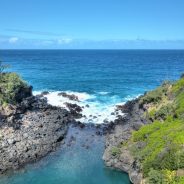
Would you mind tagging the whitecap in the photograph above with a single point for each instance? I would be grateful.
(96, 108)
(103, 92)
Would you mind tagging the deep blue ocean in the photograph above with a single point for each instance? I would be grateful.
(119, 72)
(101, 78)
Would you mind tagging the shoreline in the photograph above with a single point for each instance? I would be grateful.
(81, 147)
(120, 135)
(33, 128)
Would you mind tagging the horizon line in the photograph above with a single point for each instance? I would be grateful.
(92, 49)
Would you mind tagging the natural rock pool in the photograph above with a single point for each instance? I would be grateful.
(77, 161)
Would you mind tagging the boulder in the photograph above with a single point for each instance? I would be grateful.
(70, 97)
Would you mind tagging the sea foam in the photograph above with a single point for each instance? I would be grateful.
(97, 108)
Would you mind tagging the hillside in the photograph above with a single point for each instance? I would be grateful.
(155, 152)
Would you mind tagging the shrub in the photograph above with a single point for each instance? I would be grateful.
(161, 176)
(115, 151)
(159, 147)
(164, 111)
(10, 87)
(178, 180)
(178, 86)
(154, 96)
(163, 148)
(154, 177)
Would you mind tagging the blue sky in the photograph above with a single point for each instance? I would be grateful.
(92, 24)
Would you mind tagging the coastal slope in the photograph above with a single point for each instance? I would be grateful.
(148, 142)
(29, 127)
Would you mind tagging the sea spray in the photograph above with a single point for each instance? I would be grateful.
(97, 108)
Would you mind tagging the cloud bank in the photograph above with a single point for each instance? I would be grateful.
(14, 42)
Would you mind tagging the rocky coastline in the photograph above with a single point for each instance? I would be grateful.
(33, 128)
(121, 133)
(147, 143)
(30, 127)
(30, 130)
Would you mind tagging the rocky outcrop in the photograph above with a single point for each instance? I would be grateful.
(22, 93)
(74, 110)
(69, 96)
(29, 131)
(122, 159)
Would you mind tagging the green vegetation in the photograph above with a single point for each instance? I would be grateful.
(115, 151)
(162, 177)
(11, 85)
(155, 96)
(159, 146)
(163, 151)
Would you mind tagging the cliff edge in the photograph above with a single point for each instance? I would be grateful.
(148, 143)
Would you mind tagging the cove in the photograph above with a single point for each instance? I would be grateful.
(78, 160)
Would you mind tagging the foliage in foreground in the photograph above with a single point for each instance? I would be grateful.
(162, 153)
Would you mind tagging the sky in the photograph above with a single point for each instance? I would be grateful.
(91, 24)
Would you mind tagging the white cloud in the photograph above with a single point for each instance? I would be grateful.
(13, 39)
(64, 41)
(47, 42)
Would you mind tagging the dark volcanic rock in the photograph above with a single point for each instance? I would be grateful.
(74, 109)
(22, 93)
(121, 132)
(29, 131)
(70, 97)
(44, 93)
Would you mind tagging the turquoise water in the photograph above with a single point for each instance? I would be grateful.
(101, 78)
(71, 164)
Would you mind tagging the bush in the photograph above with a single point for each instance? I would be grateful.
(161, 176)
(11, 85)
(115, 151)
(163, 148)
(179, 180)
(155, 177)
(159, 147)
(178, 87)
(154, 96)
(180, 105)
(164, 111)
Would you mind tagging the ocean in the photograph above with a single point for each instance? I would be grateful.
(101, 79)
